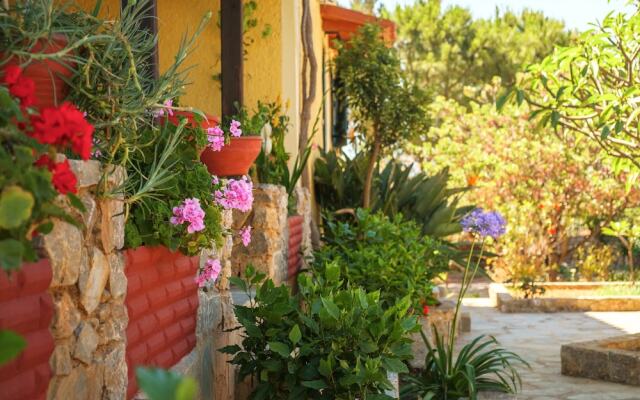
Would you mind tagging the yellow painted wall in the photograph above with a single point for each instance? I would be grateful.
(109, 9)
(263, 67)
(177, 18)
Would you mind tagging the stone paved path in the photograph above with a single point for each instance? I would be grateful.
(538, 337)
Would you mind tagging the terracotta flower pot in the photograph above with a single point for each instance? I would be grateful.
(48, 75)
(235, 158)
(209, 122)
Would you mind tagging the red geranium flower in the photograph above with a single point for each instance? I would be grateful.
(425, 310)
(552, 231)
(19, 86)
(63, 126)
(11, 75)
(64, 180)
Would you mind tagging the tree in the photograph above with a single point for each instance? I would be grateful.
(367, 6)
(592, 87)
(447, 50)
(384, 106)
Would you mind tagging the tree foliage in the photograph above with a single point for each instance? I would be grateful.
(592, 87)
(445, 50)
(556, 193)
(384, 106)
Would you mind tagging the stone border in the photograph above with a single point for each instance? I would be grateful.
(505, 302)
(614, 359)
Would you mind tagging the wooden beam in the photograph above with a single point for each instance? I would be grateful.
(232, 55)
(150, 23)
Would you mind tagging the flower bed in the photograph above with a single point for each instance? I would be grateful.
(26, 308)
(162, 302)
(567, 296)
(614, 359)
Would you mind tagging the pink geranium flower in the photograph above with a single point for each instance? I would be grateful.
(234, 128)
(210, 273)
(245, 235)
(237, 194)
(215, 136)
(191, 212)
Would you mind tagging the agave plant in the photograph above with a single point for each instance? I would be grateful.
(479, 366)
(427, 200)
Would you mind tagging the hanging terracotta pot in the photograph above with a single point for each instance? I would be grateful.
(48, 75)
(235, 158)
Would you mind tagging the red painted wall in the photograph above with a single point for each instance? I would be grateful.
(294, 257)
(162, 302)
(26, 307)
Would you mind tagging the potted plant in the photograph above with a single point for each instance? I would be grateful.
(234, 145)
(41, 51)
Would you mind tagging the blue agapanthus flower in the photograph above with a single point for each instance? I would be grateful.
(484, 224)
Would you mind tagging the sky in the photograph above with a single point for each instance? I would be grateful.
(577, 14)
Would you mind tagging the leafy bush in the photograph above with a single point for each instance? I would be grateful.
(479, 366)
(330, 341)
(426, 200)
(595, 261)
(386, 254)
(558, 193)
(160, 384)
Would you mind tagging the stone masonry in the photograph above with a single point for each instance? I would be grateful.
(268, 248)
(88, 290)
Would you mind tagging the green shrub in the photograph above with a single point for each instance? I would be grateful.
(391, 255)
(426, 199)
(330, 341)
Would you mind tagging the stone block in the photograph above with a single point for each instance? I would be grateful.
(88, 172)
(82, 383)
(117, 277)
(86, 344)
(92, 289)
(60, 360)
(115, 373)
(63, 247)
(66, 316)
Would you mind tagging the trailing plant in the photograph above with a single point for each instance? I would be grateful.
(386, 109)
(171, 166)
(479, 365)
(329, 341)
(426, 200)
(384, 254)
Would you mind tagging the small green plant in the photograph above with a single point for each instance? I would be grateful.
(391, 255)
(160, 384)
(479, 366)
(326, 342)
(530, 289)
(595, 260)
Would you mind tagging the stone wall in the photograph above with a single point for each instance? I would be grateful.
(268, 248)
(88, 290)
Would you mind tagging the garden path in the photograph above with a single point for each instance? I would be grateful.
(538, 337)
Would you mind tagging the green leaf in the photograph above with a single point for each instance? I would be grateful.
(317, 384)
(295, 335)
(605, 132)
(160, 384)
(234, 280)
(15, 207)
(76, 202)
(280, 348)
(331, 308)
(11, 254)
(11, 345)
(394, 365)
